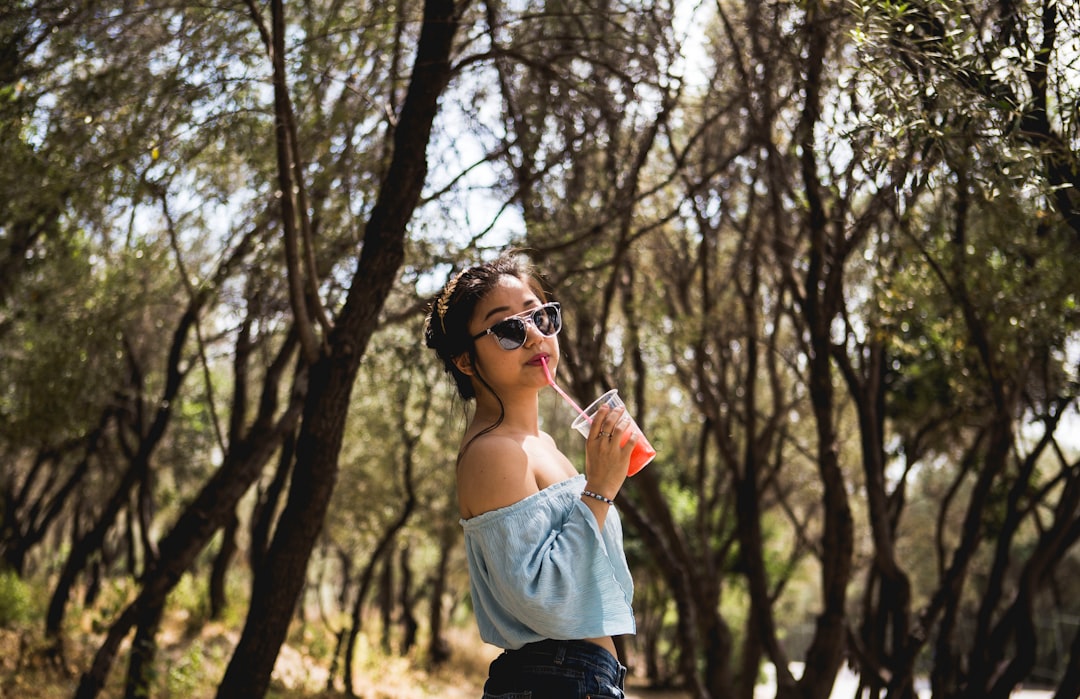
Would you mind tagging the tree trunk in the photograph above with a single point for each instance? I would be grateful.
(386, 600)
(883, 650)
(357, 620)
(266, 504)
(138, 469)
(28, 511)
(406, 600)
(668, 548)
(340, 635)
(438, 648)
(381, 553)
(207, 513)
(83, 549)
(278, 583)
(143, 651)
(166, 563)
(222, 562)
(821, 298)
(1070, 683)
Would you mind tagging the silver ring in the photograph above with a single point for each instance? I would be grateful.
(602, 434)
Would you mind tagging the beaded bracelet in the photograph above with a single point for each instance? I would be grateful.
(597, 496)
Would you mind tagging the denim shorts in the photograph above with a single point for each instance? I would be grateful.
(556, 670)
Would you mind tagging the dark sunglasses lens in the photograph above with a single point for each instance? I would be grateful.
(547, 320)
(510, 333)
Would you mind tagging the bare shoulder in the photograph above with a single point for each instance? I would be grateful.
(493, 472)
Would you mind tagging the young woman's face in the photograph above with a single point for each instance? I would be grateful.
(515, 368)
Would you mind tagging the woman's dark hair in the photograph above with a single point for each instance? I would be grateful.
(446, 329)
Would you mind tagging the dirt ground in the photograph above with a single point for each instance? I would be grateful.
(191, 667)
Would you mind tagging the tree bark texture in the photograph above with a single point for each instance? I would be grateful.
(278, 583)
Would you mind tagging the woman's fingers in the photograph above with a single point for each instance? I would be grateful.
(613, 422)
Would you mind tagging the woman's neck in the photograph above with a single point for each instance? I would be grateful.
(519, 414)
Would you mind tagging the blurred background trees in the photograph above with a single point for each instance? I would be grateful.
(824, 249)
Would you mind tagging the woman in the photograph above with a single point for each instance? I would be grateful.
(549, 579)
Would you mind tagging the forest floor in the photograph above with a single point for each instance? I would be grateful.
(192, 663)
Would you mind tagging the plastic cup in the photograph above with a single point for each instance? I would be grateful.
(643, 451)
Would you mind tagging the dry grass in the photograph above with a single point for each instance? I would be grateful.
(191, 665)
(191, 662)
(396, 677)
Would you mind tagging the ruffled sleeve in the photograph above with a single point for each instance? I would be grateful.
(542, 568)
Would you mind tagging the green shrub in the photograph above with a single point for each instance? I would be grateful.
(16, 601)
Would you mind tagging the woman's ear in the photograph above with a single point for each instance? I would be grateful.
(464, 363)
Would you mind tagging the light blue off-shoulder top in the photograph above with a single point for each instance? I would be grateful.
(542, 568)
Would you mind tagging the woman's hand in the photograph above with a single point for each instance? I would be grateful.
(607, 451)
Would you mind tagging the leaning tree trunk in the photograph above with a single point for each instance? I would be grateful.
(80, 555)
(279, 581)
(179, 548)
(139, 465)
(207, 513)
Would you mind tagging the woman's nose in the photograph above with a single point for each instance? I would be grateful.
(532, 334)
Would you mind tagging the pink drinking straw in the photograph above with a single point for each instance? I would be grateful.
(568, 399)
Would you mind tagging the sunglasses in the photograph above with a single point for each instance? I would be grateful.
(511, 332)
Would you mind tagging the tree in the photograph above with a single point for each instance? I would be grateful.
(334, 367)
(994, 78)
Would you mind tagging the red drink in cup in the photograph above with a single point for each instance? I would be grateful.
(643, 452)
(642, 455)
